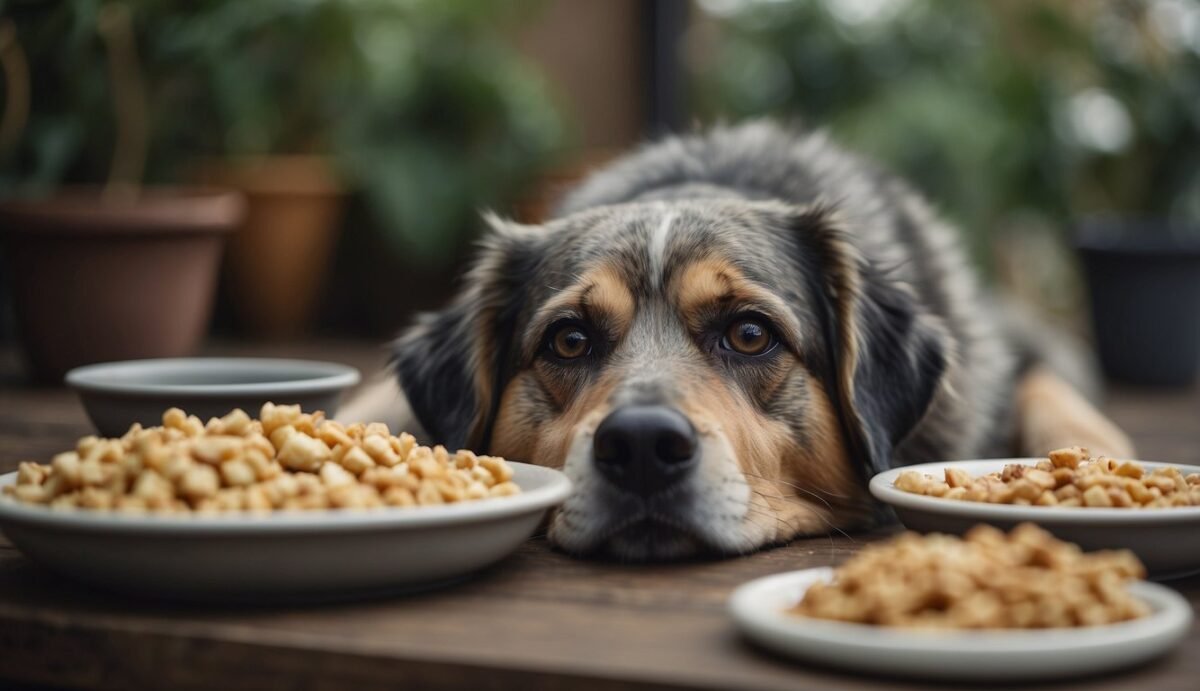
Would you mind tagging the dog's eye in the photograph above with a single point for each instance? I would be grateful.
(569, 341)
(748, 336)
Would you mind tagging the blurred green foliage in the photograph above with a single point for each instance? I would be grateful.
(1013, 113)
(422, 104)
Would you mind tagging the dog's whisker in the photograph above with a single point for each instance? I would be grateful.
(818, 514)
(751, 511)
(815, 489)
(797, 488)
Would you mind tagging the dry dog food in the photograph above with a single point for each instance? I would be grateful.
(1068, 478)
(287, 459)
(987, 580)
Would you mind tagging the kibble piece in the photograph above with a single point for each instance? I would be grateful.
(173, 418)
(265, 467)
(380, 450)
(356, 460)
(334, 475)
(1069, 457)
(1041, 478)
(153, 488)
(428, 493)
(275, 416)
(31, 474)
(400, 496)
(236, 423)
(33, 494)
(1096, 496)
(1119, 497)
(403, 444)
(199, 482)
(334, 435)
(504, 489)
(957, 477)
(1130, 469)
(231, 499)
(257, 498)
(216, 449)
(427, 467)
(1026, 489)
(909, 481)
(67, 466)
(500, 470)
(96, 498)
(1047, 498)
(302, 452)
(237, 472)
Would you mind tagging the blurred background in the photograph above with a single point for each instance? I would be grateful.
(364, 136)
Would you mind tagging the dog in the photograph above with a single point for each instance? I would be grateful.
(720, 337)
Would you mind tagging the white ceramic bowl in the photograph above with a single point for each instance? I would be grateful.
(1166, 540)
(760, 610)
(118, 394)
(286, 556)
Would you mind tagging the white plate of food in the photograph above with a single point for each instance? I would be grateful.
(764, 611)
(343, 535)
(1166, 539)
(317, 555)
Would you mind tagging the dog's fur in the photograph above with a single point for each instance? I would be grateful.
(887, 354)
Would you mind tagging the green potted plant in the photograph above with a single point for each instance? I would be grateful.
(419, 112)
(107, 271)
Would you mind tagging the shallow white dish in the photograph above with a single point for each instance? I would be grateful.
(759, 608)
(1166, 540)
(287, 556)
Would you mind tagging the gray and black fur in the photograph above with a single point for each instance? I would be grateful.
(885, 320)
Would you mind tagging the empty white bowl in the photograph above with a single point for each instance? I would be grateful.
(118, 394)
(285, 556)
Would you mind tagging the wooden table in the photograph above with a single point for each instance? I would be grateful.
(537, 621)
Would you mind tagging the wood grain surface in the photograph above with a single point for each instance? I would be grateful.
(538, 620)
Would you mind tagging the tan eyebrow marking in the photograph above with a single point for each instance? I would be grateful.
(599, 294)
(609, 295)
(705, 282)
(709, 282)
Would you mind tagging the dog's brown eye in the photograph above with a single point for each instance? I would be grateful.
(570, 342)
(748, 337)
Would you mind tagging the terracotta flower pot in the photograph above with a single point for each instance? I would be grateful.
(277, 264)
(95, 279)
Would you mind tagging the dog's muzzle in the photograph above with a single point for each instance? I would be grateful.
(644, 449)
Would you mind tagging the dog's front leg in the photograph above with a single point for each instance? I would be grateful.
(1052, 414)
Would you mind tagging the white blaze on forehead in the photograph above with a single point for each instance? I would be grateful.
(656, 249)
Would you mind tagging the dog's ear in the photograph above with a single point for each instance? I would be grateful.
(886, 354)
(451, 363)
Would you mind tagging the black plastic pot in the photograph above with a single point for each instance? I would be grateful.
(1143, 281)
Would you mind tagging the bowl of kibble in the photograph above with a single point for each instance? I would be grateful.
(1094, 501)
(989, 606)
(119, 394)
(288, 506)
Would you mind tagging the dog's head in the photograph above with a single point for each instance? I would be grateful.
(713, 376)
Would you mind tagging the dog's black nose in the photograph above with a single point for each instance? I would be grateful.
(644, 448)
